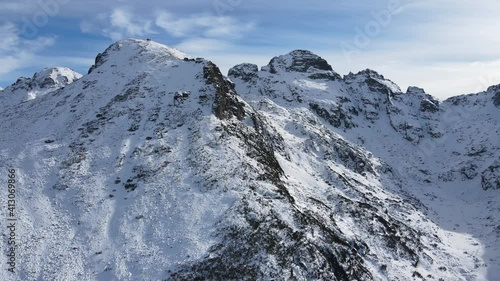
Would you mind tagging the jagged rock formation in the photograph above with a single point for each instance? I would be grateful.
(154, 166)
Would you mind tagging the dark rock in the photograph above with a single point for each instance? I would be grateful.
(101, 58)
(245, 72)
(490, 178)
(368, 73)
(336, 117)
(429, 106)
(226, 103)
(458, 100)
(298, 61)
(376, 86)
(48, 82)
(415, 91)
(259, 146)
(469, 172)
(496, 98)
(330, 75)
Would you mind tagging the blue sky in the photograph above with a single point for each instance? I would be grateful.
(446, 47)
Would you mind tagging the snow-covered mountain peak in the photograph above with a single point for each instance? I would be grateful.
(135, 51)
(55, 77)
(42, 83)
(49, 78)
(298, 61)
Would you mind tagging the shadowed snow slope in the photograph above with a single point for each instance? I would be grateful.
(154, 166)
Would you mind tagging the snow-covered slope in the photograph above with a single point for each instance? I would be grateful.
(442, 154)
(154, 166)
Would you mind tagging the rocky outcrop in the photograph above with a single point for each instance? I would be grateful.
(496, 94)
(246, 72)
(226, 104)
(490, 178)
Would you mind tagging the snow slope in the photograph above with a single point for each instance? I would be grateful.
(154, 166)
(443, 153)
(105, 182)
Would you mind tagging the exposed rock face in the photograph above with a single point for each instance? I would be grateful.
(226, 104)
(496, 99)
(490, 178)
(246, 71)
(429, 106)
(496, 91)
(298, 61)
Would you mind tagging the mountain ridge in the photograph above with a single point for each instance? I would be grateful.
(307, 55)
(156, 166)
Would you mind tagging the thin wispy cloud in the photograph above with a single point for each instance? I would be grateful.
(121, 23)
(124, 23)
(203, 45)
(205, 25)
(197, 33)
(448, 48)
(17, 52)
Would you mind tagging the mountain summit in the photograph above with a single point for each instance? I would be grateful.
(299, 61)
(155, 166)
(125, 53)
(42, 83)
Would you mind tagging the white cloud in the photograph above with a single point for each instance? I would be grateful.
(202, 45)
(206, 25)
(9, 37)
(88, 27)
(17, 52)
(447, 47)
(441, 79)
(125, 24)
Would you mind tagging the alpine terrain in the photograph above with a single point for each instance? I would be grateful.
(156, 166)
